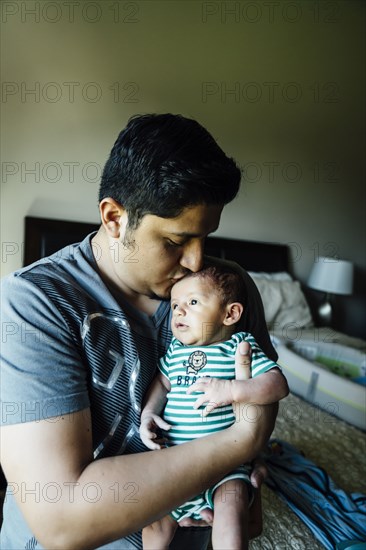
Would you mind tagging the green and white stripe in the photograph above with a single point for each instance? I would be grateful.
(188, 423)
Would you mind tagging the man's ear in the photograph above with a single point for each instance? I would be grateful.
(233, 313)
(114, 217)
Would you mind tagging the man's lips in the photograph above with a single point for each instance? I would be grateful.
(176, 279)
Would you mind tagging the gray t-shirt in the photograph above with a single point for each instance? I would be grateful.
(68, 345)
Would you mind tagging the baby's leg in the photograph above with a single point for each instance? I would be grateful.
(158, 535)
(230, 525)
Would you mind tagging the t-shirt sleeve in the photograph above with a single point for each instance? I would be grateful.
(42, 373)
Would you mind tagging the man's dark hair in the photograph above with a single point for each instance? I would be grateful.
(163, 163)
(226, 282)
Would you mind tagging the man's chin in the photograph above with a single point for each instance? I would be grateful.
(160, 295)
(163, 293)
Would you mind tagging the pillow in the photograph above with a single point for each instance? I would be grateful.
(280, 276)
(283, 301)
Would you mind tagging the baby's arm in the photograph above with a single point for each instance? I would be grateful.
(154, 405)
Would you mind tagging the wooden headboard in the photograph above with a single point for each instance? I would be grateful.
(45, 236)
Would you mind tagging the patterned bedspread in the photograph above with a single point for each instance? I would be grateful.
(334, 445)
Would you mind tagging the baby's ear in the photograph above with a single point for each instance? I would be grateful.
(233, 313)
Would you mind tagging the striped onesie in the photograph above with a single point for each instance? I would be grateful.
(182, 366)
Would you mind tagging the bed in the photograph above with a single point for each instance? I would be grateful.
(310, 418)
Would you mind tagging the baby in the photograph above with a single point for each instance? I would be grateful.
(195, 391)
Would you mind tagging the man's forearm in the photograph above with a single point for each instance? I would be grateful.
(264, 389)
(113, 497)
(152, 484)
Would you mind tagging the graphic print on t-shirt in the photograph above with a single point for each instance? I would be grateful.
(196, 361)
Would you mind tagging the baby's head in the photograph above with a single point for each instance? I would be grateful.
(207, 305)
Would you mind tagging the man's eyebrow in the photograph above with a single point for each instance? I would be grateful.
(184, 234)
(188, 234)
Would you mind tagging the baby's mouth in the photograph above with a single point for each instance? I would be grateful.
(181, 326)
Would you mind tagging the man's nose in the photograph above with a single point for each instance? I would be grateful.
(192, 257)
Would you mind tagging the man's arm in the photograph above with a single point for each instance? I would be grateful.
(69, 500)
(269, 387)
(103, 500)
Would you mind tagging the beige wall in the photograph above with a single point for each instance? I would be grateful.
(279, 84)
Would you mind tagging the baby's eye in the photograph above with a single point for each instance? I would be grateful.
(174, 306)
(193, 302)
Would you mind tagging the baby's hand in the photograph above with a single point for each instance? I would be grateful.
(149, 423)
(216, 393)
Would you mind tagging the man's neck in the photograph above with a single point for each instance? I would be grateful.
(141, 302)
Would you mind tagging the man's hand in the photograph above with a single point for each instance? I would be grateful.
(150, 422)
(243, 361)
(259, 473)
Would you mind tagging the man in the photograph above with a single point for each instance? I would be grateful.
(91, 323)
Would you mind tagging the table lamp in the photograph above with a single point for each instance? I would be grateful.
(331, 276)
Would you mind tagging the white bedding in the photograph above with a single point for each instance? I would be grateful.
(322, 365)
(288, 315)
(284, 302)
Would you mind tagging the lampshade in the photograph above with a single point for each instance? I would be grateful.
(332, 275)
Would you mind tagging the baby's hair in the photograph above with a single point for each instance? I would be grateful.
(228, 283)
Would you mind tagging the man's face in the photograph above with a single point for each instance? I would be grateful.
(152, 258)
(197, 312)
